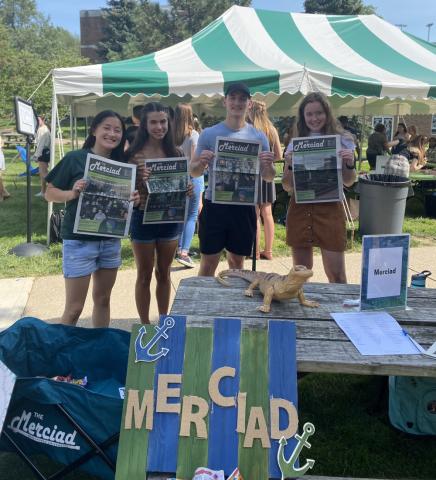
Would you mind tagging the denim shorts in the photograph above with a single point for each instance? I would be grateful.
(153, 233)
(83, 257)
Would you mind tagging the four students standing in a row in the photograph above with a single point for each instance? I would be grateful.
(229, 227)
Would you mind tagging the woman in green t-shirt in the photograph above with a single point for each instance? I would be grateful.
(84, 255)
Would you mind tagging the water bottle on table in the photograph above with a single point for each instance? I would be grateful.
(418, 279)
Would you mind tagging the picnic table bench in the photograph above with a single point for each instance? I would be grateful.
(12, 139)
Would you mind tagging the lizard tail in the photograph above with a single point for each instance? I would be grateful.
(246, 275)
(220, 278)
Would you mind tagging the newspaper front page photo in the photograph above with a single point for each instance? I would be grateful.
(317, 169)
(167, 201)
(236, 171)
(104, 208)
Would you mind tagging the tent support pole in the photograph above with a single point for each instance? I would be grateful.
(54, 112)
(71, 126)
(75, 134)
(362, 133)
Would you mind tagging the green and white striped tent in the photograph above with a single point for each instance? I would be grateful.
(274, 53)
(355, 60)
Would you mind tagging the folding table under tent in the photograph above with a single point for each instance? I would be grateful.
(362, 62)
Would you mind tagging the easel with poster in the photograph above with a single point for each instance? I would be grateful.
(221, 395)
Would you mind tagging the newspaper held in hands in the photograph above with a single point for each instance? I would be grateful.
(104, 208)
(317, 169)
(167, 185)
(236, 171)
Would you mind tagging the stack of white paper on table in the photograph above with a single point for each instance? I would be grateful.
(376, 333)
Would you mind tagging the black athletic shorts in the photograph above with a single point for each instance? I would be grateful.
(45, 156)
(232, 227)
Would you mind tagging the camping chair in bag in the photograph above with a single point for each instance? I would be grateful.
(74, 425)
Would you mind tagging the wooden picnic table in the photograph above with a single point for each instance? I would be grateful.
(321, 344)
(12, 139)
(424, 179)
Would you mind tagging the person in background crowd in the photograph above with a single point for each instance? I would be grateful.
(84, 255)
(136, 115)
(4, 194)
(413, 132)
(319, 224)
(401, 141)
(258, 117)
(402, 135)
(197, 124)
(42, 153)
(131, 130)
(377, 144)
(186, 138)
(171, 115)
(153, 245)
(417, 153)
(431, 152)
(344, 121)
(230, 227)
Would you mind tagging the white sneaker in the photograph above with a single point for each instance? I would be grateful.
(185, 260)
(39, 194)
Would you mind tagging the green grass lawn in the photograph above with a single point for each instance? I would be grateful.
(13, 228)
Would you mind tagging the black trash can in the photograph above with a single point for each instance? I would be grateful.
(430, 205)
(382, 203)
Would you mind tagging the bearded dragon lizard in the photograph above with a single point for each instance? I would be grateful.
(272, 285)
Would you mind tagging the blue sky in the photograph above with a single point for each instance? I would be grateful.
(415, 14)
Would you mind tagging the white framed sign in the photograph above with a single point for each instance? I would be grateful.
(385, 260)
(25, 117)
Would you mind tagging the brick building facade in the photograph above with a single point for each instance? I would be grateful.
(425, 125)
(422, 123)
(91, 34)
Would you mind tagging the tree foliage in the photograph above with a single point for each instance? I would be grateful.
(30, 47)
(16, 14)
(138, 27)
(338, 7)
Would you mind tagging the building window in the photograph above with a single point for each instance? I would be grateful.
(433, 124)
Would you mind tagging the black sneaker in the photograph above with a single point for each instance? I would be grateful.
(185, 260)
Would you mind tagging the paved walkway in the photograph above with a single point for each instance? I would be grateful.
(43, 297)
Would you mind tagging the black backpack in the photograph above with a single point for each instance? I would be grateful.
(401, 149)
(55, 226)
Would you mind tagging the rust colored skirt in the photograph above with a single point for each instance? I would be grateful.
(316, 225)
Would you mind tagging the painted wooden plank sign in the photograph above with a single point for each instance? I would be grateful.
(219, 396)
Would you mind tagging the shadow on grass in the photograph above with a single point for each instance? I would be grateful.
(352, 441)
